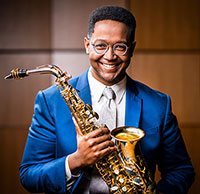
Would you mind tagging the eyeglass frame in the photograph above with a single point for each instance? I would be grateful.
(113, 47)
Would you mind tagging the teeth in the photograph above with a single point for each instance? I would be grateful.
(108, 66)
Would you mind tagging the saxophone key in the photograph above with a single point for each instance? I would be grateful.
(124, 189)
(114, 188)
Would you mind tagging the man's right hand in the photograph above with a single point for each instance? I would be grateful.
(90, 148)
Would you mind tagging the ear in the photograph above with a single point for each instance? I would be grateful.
(132, 48)
(87, 45)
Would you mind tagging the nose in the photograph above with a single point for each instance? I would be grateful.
(110, 54)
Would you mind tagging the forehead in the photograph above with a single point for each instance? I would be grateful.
(110, 30)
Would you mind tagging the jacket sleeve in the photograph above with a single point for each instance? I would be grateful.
(174, 163)
(40, 170)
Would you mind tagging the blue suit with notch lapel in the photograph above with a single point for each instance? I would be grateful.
(52, 136)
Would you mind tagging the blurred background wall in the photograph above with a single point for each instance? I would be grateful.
(35, 32)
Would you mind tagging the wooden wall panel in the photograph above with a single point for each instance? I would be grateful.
(167, 24)
(175, 74)
(17, 96)
(69, 21)
(24, 24)
(12, 142)
(75, 63)
(24, 43)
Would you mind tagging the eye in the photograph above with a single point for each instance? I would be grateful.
(100, 45)
(120, 47)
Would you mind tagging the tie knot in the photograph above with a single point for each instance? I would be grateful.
(109, 93)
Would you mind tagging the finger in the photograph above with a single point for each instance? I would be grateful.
(102, 138)
(98, 132)
(98, 140)
(105, 145)
(102, 146)
(103, 152)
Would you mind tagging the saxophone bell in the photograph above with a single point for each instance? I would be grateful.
(127, 143)
(126, 139)
(127, 135)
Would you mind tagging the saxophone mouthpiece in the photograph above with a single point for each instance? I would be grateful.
(17, 74)
(8, 76)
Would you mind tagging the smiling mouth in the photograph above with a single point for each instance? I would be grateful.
(109, 66)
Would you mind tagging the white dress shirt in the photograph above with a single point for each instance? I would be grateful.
(96, 91)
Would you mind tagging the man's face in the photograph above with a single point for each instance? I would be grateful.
(109, 68)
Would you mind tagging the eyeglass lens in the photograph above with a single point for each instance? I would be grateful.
(102, 47)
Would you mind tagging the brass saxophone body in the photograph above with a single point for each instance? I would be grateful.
(123, 170)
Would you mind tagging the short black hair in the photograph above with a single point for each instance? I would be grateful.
(115, 13)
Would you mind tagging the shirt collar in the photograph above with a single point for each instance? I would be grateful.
(96, 88)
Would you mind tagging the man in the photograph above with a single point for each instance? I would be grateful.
(59, 160)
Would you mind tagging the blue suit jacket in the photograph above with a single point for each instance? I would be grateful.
(52, 136)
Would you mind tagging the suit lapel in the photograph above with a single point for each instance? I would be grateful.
(133, 105)
(83, 88)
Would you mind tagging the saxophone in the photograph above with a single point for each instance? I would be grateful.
(124, 170)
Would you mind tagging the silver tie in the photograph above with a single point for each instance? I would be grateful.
(108, 117)
(108, 112)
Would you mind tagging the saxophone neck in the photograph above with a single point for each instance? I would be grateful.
(44, 69)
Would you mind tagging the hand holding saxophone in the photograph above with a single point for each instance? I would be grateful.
(91, 148)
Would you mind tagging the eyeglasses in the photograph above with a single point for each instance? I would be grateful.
(101, 48)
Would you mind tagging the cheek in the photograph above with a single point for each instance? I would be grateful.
(94, 57)
(125, 61)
